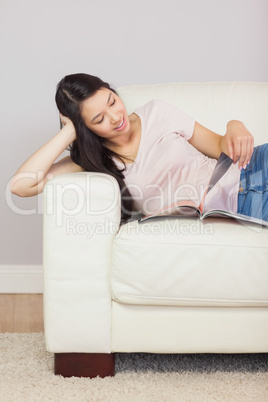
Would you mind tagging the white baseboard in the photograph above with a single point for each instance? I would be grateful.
(21, 279)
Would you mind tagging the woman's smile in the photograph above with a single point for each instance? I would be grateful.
(122, 125)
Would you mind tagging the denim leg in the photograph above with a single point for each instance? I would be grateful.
(253, 192)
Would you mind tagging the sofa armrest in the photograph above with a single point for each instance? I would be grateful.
(80, 220)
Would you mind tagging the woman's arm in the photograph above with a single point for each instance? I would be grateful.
(238, 143)
(31, 177)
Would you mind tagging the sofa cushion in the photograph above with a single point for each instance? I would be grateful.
(185, 262)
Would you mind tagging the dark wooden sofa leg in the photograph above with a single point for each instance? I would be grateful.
(84, 364)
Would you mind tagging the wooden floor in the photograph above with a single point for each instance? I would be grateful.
(21, 313)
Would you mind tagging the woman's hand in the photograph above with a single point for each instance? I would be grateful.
(239, 142)
(65, 121)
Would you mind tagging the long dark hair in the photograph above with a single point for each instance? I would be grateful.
(88, 150)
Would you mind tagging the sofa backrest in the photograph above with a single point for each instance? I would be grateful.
(212, 104)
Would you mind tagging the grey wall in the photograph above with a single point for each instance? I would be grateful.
(138, 42)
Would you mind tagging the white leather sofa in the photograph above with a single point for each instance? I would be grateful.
(165, 286)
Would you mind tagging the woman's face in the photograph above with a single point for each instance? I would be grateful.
(105, 114)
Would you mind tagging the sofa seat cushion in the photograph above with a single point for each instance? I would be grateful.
(185, 262)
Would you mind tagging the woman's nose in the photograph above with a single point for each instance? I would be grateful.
(114, 117)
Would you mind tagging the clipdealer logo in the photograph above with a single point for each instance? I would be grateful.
(98, 194)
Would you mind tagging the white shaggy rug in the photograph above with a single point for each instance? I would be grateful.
(26, 374)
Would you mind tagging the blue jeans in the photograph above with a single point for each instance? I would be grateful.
(253, 191)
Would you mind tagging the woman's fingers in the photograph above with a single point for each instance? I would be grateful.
(243, 149)
(250, 149)
(236, 149)
(243, 154)
(64, 120)
(240, 143)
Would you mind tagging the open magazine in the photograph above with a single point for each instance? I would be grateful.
(189, 208)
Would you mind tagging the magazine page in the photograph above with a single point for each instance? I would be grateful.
(181, 208)
(223, 164)
(223, 186)
(219, 213)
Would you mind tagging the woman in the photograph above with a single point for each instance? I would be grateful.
(153, 153)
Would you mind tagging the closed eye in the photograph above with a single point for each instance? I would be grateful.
(99, 122)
